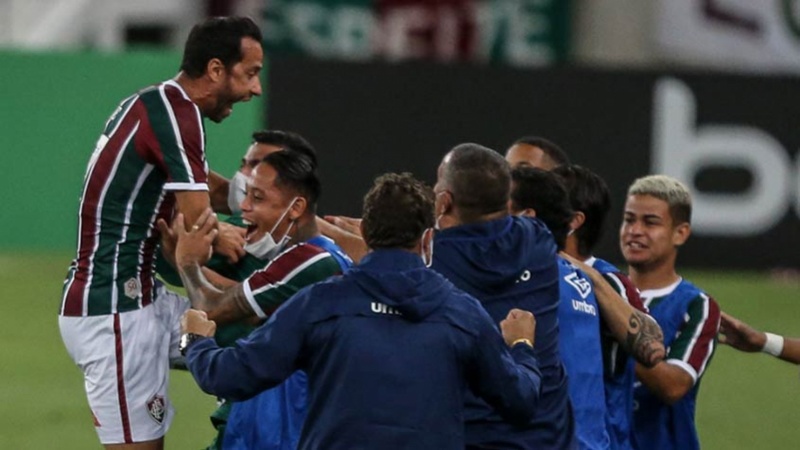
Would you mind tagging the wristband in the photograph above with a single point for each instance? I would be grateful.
(523, 341)
(774, 345)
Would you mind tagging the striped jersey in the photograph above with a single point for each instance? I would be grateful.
(619, 368)
(292, 270)
(151, 146)
(689, 319)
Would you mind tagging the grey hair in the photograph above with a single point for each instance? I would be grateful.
(668, 189)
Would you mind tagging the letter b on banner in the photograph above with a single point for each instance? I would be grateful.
(682, 149)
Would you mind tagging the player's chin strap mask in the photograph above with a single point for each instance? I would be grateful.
(427, 254)
(266, 248)
(237, 191)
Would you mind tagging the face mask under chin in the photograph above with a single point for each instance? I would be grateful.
(266, 248)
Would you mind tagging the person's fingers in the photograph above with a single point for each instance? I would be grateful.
(164, 228)
(178, 225)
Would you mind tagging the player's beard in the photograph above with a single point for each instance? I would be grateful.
(225, 101)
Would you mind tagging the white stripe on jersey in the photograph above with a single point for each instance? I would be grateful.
(98, 221)
(126, 225)
(251, 295)
(199, 120)
(141, 247)
(706, 312)
(185, 186)
(176, 129)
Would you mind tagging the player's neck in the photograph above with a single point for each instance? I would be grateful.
(572, 249)
(656, 277)
(306, 230)
(194, 88)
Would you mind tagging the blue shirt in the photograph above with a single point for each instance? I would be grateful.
(690, 321)
(390, 349)
(579, 342)
(511, 263)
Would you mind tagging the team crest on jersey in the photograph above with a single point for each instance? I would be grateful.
(581, 285)
(157, 409)
(133, 288)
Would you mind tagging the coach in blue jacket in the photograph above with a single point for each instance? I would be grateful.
(506, 262)
(390, 348)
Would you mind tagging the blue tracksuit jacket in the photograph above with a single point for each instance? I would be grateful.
(511, 263)
(390, 348)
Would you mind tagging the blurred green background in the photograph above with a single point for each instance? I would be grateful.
(746, 401)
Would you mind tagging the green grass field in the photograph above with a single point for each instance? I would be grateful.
(746, 401)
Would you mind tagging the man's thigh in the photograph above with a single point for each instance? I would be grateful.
(124, 359)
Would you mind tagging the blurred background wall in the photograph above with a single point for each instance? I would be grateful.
(704, 90)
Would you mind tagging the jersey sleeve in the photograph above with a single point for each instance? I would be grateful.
(697, 338)
(178, 128)
(626, 289)
(300, 266)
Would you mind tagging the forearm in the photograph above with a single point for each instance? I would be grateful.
(223, 371)
(637, 333)
(791, 350)
(667, 381)
(352, 244)
(202, 294)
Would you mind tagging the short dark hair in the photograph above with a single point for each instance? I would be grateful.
(551, 149)
(589, 194)
(287, 140)
(479, 179)
(544, 192)
(397, 210)
(217, 37)
(296, 173)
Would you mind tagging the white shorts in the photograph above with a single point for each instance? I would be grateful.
(125, 361)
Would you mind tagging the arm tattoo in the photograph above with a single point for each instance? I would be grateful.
(645, 341)
(223, 306)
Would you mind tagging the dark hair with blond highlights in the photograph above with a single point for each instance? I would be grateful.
(397, 210)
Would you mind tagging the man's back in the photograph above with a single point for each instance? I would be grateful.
(152, 144)
(511, 263)
(689, 319)
(390, 348)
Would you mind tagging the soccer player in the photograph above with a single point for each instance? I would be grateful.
(541, 194)
(743, 337)
(590, 199)
(280, 208)
(505, 262)
(656, 223)
(390, 347)
(149, 161)
(536, 151)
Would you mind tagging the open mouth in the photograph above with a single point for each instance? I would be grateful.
(252, 229)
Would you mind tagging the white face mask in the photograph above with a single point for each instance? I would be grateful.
(266, 247)
(237, 191)
(427, 256)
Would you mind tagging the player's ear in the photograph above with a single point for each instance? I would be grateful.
(298, 208)
(215, 70)
(681, 233)
(578, 219)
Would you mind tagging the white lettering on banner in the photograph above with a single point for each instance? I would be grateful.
(682, 149)
(521, 29)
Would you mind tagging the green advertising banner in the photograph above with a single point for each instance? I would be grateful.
(52, 109)
(512, 32)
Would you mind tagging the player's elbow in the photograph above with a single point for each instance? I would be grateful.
(672, 394)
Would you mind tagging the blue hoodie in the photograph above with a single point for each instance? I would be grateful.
(390, 348)
(511, 263)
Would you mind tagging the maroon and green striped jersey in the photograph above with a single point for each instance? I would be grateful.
(299, 266)
(152, 145)
(689, 319)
